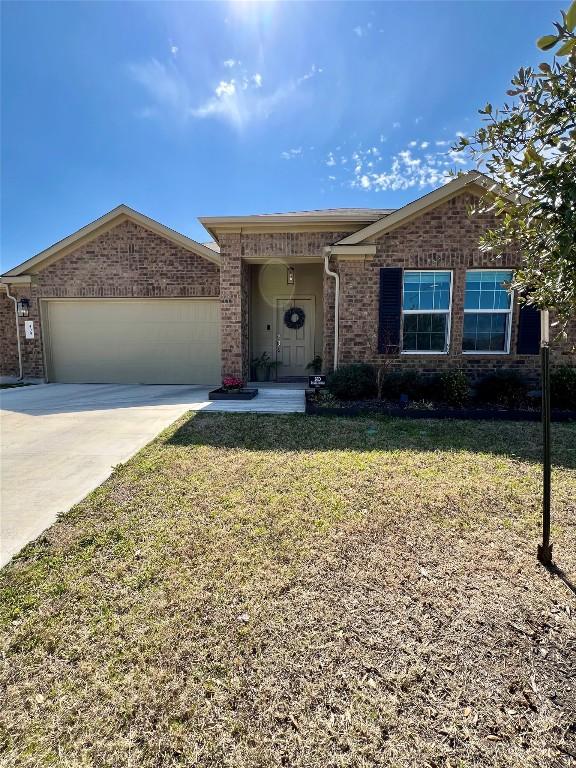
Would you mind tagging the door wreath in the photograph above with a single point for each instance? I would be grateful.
(294, 318)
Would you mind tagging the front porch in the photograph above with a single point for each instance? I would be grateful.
(277, 316)
(285, 319)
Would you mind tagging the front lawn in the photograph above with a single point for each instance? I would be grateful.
(254, 591)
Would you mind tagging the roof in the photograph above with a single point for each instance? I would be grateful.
(343, 218)
(473, 181)
(338, 213)
(103, 224)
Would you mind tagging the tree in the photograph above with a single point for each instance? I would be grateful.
(529, 148)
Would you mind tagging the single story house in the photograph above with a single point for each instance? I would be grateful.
(128, 300)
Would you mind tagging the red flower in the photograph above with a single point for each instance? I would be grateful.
(232, 382)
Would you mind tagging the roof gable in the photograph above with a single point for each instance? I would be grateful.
(472, 182)
(100, 226)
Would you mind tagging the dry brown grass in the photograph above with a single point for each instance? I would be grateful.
(294, 591)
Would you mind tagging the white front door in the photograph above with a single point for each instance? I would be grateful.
(295, 346)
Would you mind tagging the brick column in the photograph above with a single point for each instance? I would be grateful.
(8, 344)
(358, 311)
(233, 310)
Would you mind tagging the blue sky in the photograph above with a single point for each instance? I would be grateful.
(188, 109)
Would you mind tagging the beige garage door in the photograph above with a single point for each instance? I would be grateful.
(133, 341)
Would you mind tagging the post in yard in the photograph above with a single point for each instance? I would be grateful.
(545, 549)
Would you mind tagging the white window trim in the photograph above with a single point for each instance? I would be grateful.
(427, 312)
(509, 312)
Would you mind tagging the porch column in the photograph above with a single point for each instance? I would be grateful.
(234, 292)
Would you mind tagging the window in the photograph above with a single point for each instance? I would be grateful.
(487, 311)
(426, 311)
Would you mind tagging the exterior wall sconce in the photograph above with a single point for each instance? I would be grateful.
(23, 307)
(290, 276)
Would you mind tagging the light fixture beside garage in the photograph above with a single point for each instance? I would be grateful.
(290, 276)
(23, 307)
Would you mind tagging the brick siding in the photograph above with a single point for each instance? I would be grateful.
(130, 261)
(445, 238)
(8, 344)
(126, 261)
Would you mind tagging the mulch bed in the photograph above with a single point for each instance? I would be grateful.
(413, 410)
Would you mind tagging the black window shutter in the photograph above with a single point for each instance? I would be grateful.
(390, 310)
(528, 330)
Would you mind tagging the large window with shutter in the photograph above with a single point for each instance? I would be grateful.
(487, 311)
(426, 308)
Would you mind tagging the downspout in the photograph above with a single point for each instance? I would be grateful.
(20, 377)
(336, 277)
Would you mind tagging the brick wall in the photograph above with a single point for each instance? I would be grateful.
(445, 238)
(126, 261)
(234, 291)
(8, 345)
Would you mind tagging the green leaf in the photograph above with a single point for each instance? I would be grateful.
(571, 17)
(547, 42)
(566, 48)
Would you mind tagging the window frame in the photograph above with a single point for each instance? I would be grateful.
(509, 312)
(447, 312)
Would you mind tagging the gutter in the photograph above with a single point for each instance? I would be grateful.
(9, 295)
(336, 277)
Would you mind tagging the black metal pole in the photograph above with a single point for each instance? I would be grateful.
(545, 549)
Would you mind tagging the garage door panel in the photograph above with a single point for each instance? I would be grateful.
(134, 341)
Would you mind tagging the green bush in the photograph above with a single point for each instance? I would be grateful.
(356, 381)
(454, 387)
(563, 387)
(402, 383)
(502, 388)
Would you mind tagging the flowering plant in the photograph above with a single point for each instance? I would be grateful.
(232, 382)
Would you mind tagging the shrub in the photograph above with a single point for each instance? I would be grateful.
(356, 381)
(502, 388)
(402, 383)
(454, 387)
(563, 387)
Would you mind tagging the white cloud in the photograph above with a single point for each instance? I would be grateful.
(331, 159)
(237, 100)
(395, 125)
(417, 166)
(165, 85)
(225, 89)
(418, 120)
(290, 154)
(174, 49)
(362, 31)
(441, 143)
(314, 70)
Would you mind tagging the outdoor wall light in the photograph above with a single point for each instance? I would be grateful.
(290, 276)
(23, 307)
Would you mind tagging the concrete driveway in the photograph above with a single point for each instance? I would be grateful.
(59, 441)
